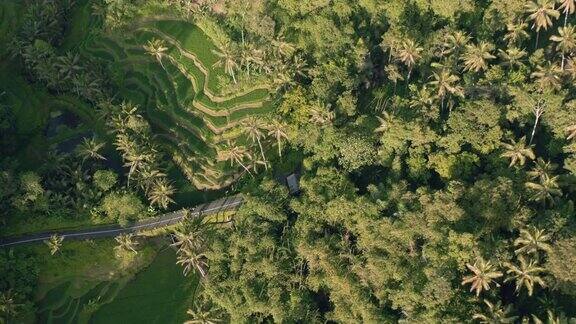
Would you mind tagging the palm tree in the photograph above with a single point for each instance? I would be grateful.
(190, 259)
(321, 115)
(278, 130)
(282, 48)
(455, 42)
(68, 65)
(566, 40)
(571, 130)
(546, 190)
(393, 74)
(157, 49)
(512, 57)
(204, 313)
(548, 76)
(147, 177)
(136, 162)
(483, 276)
(8, 306)
(54, 243)
(384, 123)
(570, 68)
(541, 13)
(518, 152)
(160, 192)
(525, 275)
(568, 7)
(227, 59)
(553, 319)
(476, 56)
(531, 241)
(126, 242)
(542, 169)
(516, 32)
(496, 314)
(409, 53)
(444, 82)
(90, 149)
(252, 127)
(235, 154)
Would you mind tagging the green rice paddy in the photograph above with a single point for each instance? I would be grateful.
(180, 92)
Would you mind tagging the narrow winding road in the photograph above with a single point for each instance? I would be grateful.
(214, 207)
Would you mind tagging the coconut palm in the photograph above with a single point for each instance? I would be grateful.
(518, 152)
(409, 53)
(566, 40)
(235, 154)
(278, 130)
(542, 169)
(54, 243)
(147, 177)
(496, 314)
(571, 131)
(253, 128)
(512, 57)
(8, 306)
(393, 74)
(455, 42)
(553, 319)
(160, 193)
(476, 56)
(136, 161)
(90, 149)
(227, 60)
(157, 49)
(422, 99)
(321, 115)
(204, 313)
(126, 242)
(570, 68)
(548, 76)
(526, 274)
(531, 241)
(69, 65)
(384, 123)
(446, 84)
(516, 32)
(190, 260)
(546, 190)
(282, 48)
(567, 7)
(541, 13)
(483, 275)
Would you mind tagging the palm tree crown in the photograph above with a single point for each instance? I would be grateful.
(227, 60)
(518, 152)
(126, 242)
(476, 56)
(160, 193)
(54, 243)
(531, 241)
(496, 314)
(525, 275)
(483, 275)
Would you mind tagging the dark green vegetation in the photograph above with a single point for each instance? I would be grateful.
(436, 144)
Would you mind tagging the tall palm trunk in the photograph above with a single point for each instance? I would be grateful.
(537, 38)
(262, 151)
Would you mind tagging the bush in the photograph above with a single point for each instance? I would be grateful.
(123, 207)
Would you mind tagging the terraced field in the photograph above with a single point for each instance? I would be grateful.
(181, 95)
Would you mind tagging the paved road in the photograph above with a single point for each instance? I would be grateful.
(220, 205)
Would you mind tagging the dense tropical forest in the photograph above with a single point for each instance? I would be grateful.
(434, 143)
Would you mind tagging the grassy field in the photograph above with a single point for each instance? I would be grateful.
(158, 294)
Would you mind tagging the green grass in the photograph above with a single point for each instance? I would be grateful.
(158, 294)
(81, 23)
